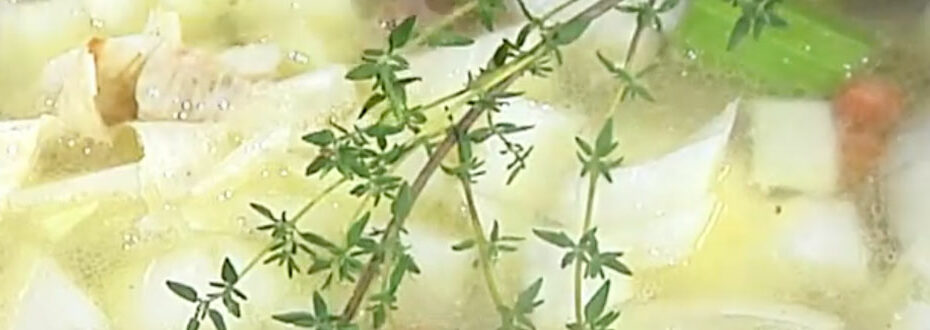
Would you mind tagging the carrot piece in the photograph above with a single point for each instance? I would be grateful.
(869, 103)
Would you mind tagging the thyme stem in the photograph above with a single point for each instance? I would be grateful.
(484, 251)
(446, 21)
(316, 200)
(588, 212)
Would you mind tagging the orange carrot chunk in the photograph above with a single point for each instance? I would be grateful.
(869, 103)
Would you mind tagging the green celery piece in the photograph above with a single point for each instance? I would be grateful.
(812, 56)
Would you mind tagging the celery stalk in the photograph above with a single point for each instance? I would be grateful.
(814, 54)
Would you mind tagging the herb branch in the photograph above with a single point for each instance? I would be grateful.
(366, 158)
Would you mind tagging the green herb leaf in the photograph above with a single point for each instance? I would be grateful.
(356, 230)
(363, 71)
(318, 164)
(318, 240)
(300, 319)
(595, 306)
(488, 10)
(605, 140)
(264, 211)
(403, 202)
(402, 33)
(584, 146)
(320, 138)
(229, 272)
(570, 31)
(232, 306)
(319, 305)
(182, 290)
(371, 102)
(559, 239)
(740, 29)
(617, 266)
(464, 245)
(193, 324)
(217, 319)
(448, 38)
(526, 300)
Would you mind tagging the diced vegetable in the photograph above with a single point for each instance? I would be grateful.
(176, 155)
(658, 210)
(119, 63)
(813, 54)
(794, 145)
(914, 316)
(869, 103)
(867, 109)
(442, 270)
(121, 180)
(906, 173)
(824, 235)
(72, 78)
(726, 315)
(235, 167)
(152, 306)
(253, 60)
(552, 157)
(51, 300)
(18, 140)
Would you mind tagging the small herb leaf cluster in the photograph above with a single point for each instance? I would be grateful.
(756, 16)
(226, 292)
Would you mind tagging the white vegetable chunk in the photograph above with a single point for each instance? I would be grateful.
(552, 128)
(18, 140)
(306, 100)
(726, 315)
(70, 80)
(52, 301)
(657, 211)
(824, 234)
(176, 155)
(187, 84)
(253, 60)
(194, 264)
(794, 145)
(906, 174)
(914, 316)
(244, 159)
(433, 297)
(120, 180)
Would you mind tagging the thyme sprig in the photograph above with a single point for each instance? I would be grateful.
(366, 157)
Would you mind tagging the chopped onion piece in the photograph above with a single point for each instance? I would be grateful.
(192, 263)
(726, 315)
(243, 160)
(552, 139)
(176, 155)
(443, 270)
(657, 211)
(824, 234)
(906, 172)
(253, 60)
(795, 145)
(18, 141)
(72, 79)
(51, 300)
(914, 316)
(120, 180)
